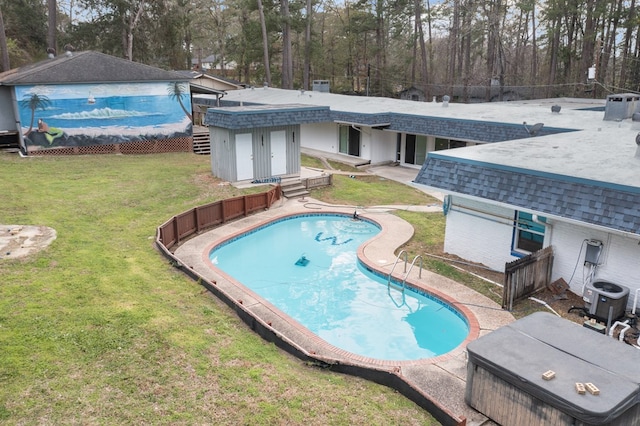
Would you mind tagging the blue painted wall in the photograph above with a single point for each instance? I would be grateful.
(98, 114)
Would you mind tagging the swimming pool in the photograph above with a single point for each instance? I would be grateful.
(307, 266)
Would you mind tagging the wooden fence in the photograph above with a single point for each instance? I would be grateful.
(318, 181)
(527, 275)
(201, 218)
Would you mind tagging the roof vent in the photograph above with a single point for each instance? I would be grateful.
(637, 146)
(556, 109)
(622, 106)
(445, 101)
(533, 130)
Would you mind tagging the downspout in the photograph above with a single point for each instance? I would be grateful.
(547, 226)
(218, 98)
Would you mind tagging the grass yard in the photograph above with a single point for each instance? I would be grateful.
(100, 329)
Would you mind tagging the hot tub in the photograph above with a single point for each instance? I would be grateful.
(505, 368)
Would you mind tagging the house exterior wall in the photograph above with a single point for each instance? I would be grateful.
(382, 146)
(222, 153)
(320, 136)
(76, 115)
(479, 232)
(482, 232)
(7, 118)
(618, 260)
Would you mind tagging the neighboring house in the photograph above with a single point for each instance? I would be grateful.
(203, 83)
(522, 176)
(412, 94)
(212, 62)
(89, 102)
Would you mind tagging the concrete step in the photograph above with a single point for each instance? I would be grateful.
(293, 188)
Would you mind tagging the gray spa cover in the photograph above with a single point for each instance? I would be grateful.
(521, 352)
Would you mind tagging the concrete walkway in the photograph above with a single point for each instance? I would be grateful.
(439, 382)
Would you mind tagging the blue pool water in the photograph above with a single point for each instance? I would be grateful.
(307, 267)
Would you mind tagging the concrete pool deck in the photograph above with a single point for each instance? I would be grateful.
(439, 381)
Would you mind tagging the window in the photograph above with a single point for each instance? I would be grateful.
(528, 233)
(349, 140)
(442, 143)
(416, 150)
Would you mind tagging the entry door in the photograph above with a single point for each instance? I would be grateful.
(278, 153)
(244, 156)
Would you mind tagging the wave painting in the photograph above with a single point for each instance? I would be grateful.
(83, 114)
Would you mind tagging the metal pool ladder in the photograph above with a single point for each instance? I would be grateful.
(406, 273)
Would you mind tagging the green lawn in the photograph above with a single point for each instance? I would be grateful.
(100, 329)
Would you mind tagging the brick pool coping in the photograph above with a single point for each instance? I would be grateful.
(414, 378)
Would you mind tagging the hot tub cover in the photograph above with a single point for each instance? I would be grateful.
(521, 352)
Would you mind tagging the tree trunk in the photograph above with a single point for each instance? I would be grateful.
(265, 44)
(626, 53)
(3, 46)
(307, 48)
(130, 23)
(52, 21)
(287, 60)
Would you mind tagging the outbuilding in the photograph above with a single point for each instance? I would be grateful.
(258, 143)
(88, 102)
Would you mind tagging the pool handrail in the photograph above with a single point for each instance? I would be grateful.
(394, 267)
(411, 267)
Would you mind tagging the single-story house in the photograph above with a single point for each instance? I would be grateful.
(577, 192)
(519, 176)
(383, 130)
(89, 102)
(203, 83)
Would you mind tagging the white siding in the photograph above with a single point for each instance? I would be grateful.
(320, 136)
(480, 233)
(382, 146)
(619, 261)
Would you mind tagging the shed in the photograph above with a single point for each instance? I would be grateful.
(88, 102)
(258, 142)
(505, 375)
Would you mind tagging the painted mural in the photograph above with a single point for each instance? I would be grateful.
(98, 114)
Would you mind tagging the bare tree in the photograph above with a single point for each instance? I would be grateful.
(265, 44)
(287, 60)
(3, 45)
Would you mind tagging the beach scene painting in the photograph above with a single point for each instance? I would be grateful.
(71, 115)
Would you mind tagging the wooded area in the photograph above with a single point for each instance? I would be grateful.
(374, 47)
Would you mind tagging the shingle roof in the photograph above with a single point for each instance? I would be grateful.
(594, 202)
(248, 117)
(86, 67)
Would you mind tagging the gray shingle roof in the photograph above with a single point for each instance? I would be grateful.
(594, 202)
(248, 117)
(86, 67)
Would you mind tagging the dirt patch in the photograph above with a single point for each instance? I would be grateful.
(18, 241)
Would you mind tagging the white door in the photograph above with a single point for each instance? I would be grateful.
(278, 153)
(244, 156)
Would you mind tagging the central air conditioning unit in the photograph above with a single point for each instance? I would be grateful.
(600, 297)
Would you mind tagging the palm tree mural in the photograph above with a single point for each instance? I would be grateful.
(177, 90)
(34, 102)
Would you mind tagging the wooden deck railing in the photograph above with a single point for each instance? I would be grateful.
(525, 276)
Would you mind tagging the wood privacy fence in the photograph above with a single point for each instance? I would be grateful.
(525, 276)
(200, 218)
